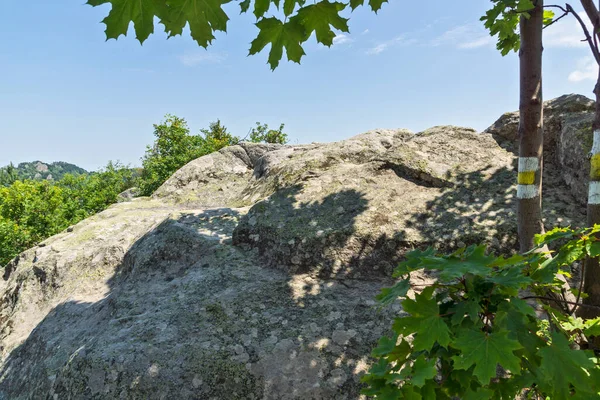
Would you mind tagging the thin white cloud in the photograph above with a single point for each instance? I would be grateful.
(401, 40)
(566, 33)
(587, 69)
(469, 36)
(380, 48)
(193, 58)
(365, 32)
(342, 39)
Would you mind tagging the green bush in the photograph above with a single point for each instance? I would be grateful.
(473, 334)
(262, 133)
(174, 147)
(32, 211)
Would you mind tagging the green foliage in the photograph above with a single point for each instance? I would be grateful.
(262, 133)
(37, 170)
(287, 25)
(216, 137)
(470, 335)
(31, 211)
(174, 147)
(8, 175)
(502, 20)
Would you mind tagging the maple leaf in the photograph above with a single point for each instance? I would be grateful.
(261, 7)
(123, 12)
(280, 35)
(204, 18)
(376, 5)
(425, 322)
(511, 278)
(562, 366)
(389, 295)
(422, 371)
(486, 351)
(320, 17)
(244, 6)
(473, 261)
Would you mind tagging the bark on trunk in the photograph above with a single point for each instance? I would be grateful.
(591, 276)
(531, 134)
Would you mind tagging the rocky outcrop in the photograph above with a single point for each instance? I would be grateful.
(567, 139)
(251, 272)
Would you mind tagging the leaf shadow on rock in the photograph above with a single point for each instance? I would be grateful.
(188, 315)
(193, 310)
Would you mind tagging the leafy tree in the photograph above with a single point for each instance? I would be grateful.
(31, 211)
(216, 137)
(8, 175)
(455, 334)
(501, 21)
(281, 25)
(262, 133)
(174, 147)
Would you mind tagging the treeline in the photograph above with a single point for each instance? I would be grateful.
(33, 210)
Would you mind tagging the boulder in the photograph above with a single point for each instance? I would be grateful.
(251, 273)
(567, 139)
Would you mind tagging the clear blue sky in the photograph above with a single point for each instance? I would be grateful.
(66, 94)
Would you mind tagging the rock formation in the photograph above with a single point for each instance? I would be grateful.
(251, 273)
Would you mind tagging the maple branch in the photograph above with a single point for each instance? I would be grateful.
(561, 301)
(580, 288)
(591, 11)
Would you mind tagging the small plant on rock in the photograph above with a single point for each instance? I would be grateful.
(475, 334)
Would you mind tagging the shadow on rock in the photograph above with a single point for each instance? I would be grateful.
(187, 315)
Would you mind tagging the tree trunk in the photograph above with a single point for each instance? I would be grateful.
(591, 277)
(531, 133)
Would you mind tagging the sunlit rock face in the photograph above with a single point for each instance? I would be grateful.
(251, 273)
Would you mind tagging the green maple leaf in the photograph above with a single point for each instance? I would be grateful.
(244, 6)
(422, 371)
(424, 321)
(470, 308)
(472, 260)
(203, 16)
(376, 4)
(280, 35)
(562, 366)
(354, 4)
(320, 17)
(140, 12)
(512, 278)
(389, 295)
(413, 261)
(261, 7)
(486, 351)
(593, 248)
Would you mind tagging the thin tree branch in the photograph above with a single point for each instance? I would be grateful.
(560, 301)
(580, 288)
(592, 13)
(561, 8)
(557, 19)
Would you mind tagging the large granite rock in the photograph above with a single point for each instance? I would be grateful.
(567, 139)
(251, 272)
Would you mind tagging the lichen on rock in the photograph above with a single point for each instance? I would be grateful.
(251, 272)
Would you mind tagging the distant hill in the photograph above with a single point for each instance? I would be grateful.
(38, 170)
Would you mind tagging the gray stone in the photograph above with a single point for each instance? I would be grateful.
(251, 272)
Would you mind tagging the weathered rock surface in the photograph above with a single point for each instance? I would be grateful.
(567, 138)
(251, 272)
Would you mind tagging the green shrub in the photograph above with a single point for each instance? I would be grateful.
(174, 147)
(473, 334)
(262, 133)
(32, 211)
